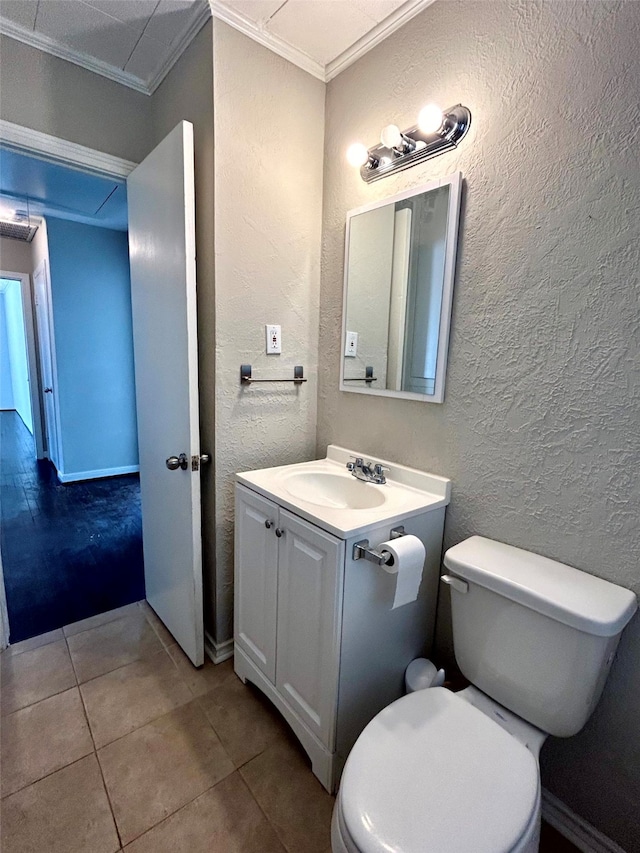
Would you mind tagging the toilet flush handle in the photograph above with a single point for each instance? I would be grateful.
(456, 583)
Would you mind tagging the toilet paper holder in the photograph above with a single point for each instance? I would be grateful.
(362, 551)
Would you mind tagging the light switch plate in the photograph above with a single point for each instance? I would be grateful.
(351, 346)
(274, 339)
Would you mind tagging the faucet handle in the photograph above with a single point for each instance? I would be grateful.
(378, 473)
(357, 463)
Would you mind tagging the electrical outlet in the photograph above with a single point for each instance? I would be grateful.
(274, 339)
(351, 346)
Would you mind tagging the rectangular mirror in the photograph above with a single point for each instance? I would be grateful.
(400, 260)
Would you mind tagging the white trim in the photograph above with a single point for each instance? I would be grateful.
(32, 359)
(454, 180)
(217, 652)
(4, 614)
(54, 454)
(197, 23)
(369, 40)
(59, 150)
(98, 473)
(252, 29)
(48, 45)
(258, 33)
(118, 75)
(575, 828)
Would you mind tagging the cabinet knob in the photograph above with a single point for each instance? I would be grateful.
(279, 532)
(268, 524)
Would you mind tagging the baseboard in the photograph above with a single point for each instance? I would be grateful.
(98, 473)
(217, 652)
(575, 828)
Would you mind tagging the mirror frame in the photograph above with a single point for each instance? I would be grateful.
(454, 181)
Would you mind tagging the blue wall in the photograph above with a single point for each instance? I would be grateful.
(91, 296)
(17, 351)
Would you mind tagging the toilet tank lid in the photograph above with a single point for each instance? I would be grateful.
(554, 589)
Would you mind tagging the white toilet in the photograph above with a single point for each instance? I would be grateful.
(443, 772)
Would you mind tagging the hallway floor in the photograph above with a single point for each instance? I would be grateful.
(112, 740)
(68, 551)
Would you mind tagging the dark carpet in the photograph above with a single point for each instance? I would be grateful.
(68, 551)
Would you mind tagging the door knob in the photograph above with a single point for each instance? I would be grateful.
(48, 390)
(175, 462)
(205, 458)
(279, 532)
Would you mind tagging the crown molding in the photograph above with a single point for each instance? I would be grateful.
(197, 23)
(125, 78)
(266, 39)
(380, 32)
(298, 57)
(254, 31)
(48, 45)
(57, 150)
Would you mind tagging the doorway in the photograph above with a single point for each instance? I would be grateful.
(71, 539)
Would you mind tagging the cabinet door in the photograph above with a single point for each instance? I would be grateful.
(256, 579)
(309, 610)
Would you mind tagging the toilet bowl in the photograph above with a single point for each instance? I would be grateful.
(434, 772)
(443, 772)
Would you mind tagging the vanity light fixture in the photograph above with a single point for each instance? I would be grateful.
(437, 131)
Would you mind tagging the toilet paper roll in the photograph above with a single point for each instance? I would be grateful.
(408, 555)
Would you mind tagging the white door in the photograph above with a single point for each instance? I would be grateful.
(161, 200)
(256, 579)
(43, 322)
(309, 607)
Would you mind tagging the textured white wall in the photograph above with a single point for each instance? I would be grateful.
(539, 430)
(269, 129)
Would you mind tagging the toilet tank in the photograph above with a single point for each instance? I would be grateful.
(537, 636)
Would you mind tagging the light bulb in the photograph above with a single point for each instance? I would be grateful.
(357, 154)
(391, 136)
(430, 118)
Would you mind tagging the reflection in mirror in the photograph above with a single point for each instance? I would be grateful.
(399, 268)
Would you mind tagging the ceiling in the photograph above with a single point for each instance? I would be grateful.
(38, 188)
(136, 42)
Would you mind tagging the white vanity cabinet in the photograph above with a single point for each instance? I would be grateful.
(315, 629)
(288, 584)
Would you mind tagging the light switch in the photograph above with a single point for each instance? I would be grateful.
(351, 346)
(274, 339)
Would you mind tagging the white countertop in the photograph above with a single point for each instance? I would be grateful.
(406, 493)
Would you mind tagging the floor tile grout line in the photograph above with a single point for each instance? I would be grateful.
(155, 720)
(29, 705)
(95, 752)
(47, 775)
(122, 666)
(255, 799)
(99, 625)
(183, 806)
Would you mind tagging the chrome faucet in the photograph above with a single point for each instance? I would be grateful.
(369, 472)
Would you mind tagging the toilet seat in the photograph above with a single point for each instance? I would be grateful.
(431, 772)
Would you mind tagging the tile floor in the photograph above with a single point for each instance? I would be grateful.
(68, 551)
(112, 740)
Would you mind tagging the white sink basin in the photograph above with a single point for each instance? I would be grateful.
(334, 490)
(326, 494)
